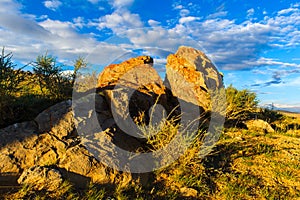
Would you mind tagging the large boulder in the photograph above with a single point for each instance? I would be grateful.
(194, 86)
(134, 80)
(58, 119)
(190, 75)
(131, 89)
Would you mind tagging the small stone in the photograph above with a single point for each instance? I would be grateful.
(188, 192)
(258, 124)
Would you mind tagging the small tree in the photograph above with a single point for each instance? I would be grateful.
(80, 63)
(240, 104)
(49, 76)
(10, 86)
(10, 77)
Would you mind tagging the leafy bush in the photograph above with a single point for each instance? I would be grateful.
(240, 104)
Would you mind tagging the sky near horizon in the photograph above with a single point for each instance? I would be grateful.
(256, 44)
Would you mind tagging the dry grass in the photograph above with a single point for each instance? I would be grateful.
(261, 167)
(290, 114)
(244, 165)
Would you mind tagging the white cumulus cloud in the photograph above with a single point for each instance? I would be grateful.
(120, 21)
(52, 4)
(188, 19)
(152, 22)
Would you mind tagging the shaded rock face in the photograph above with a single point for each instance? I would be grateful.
(47, 151)
(135, 92)
(49, 146)
(125, 95)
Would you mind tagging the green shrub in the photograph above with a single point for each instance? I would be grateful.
(79, 63)
(270, 115)
(240, 104)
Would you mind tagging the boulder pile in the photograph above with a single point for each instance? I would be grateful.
(48, 150)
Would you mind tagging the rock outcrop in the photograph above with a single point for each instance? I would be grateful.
(49, 150)
(129, 89)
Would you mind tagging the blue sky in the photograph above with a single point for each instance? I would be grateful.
(256, 43)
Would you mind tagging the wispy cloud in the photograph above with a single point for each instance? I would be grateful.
(271, 62)
(276, 80)
(279, 77)
(217, 15)
(177, 6)
(250, 12)
(286, 11)
(12, 22)
(153, 23)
